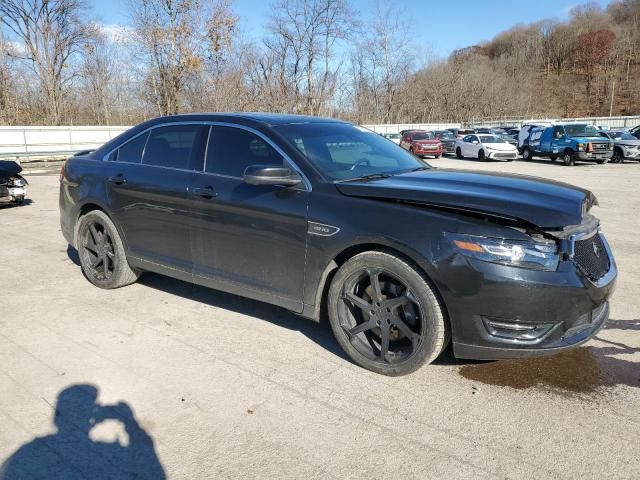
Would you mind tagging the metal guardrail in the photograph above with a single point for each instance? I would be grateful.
(25, 144)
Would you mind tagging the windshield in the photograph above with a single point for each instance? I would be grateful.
(581, 131)
(343, 151)
(446, 136)
(490, 139)
(421, 136)
(622, 136)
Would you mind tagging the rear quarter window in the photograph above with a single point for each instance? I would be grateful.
(131, 152)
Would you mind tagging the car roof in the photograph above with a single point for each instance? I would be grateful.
(268, 119)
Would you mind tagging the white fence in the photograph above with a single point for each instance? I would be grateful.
(24, 142)
(395, 128)
(611, 122)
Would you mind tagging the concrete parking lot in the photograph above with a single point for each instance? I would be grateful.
(230, 388)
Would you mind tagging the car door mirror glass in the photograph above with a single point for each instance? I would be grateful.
(271, 175)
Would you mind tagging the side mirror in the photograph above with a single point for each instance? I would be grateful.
(271, 175)
(475, 142)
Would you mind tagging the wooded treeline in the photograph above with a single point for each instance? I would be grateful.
(318, 57)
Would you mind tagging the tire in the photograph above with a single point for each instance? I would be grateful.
(101, 251)
(416, 330)
(568, 159)
(601, 161)
(617, 156)
(481, 156)
(437, 156)
(526, 154)
(459, 153)
(553, 158)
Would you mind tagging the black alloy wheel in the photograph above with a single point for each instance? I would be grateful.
(385, 315)
(101, 252)
(98, 252)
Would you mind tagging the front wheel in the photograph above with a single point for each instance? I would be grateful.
(617, 156)
(481, 156)
(385, 314)
(567, 159)
(102, 255)
(553, 158)
(526, 154)
(459, 153)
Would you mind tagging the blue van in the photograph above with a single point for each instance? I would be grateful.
(570, 142)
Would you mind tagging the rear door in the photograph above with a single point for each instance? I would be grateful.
(147, 186)
(247, 239)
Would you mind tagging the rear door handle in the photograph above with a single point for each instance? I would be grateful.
(118, 179)
(205, 192)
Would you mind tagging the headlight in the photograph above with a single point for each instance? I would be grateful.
(580, 147)
(516, 253)
(611, 146)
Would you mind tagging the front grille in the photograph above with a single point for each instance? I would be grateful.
(504, 155)
(591, 257)
(600, 146)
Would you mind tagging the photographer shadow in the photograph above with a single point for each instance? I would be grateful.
(71, 453)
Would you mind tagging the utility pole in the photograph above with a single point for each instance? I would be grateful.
(613, 88)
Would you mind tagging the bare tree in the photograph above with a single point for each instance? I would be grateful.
(302, 45)
(52, 33)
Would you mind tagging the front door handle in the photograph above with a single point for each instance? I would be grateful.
(118, 179)
(205, 192)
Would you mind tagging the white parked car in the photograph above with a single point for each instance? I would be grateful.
(394, 137)
(484, 146)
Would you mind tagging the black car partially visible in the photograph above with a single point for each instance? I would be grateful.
(318, 215)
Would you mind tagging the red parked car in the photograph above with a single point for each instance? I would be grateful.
(422, 144)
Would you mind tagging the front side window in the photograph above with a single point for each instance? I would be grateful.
(231, 150)
(131, 152)
(176, 146)
(342, 151)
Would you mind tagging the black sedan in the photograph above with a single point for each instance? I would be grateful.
(318, 215)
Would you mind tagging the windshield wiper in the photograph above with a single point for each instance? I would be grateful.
(372, 176)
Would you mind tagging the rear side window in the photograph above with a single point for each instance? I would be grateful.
(131, 151)
(176, 146)
(231, 150)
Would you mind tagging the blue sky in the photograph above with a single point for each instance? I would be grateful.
(443, 25)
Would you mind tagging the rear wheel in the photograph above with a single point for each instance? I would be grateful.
(101, 252)
(568, 158)
(526, 154)
(459, 153)
(385, 315)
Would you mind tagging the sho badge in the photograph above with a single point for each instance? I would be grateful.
(322, 229)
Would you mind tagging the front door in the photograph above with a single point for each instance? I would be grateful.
(247, 239)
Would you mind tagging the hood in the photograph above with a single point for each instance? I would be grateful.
(628, 143)
(543, 203)
(426, 142)
(591, 139)
(502, 147)
(9, 168)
